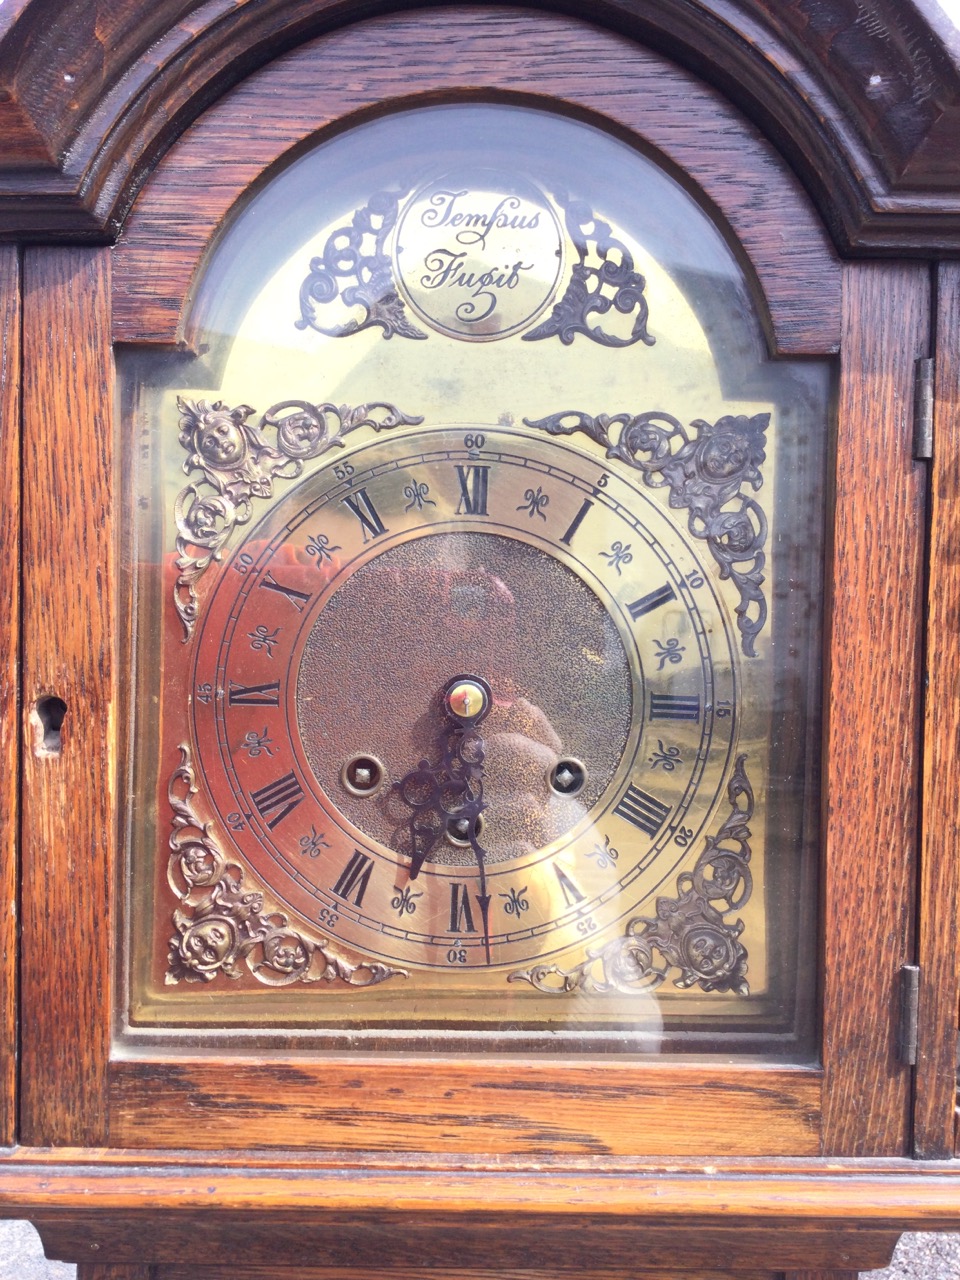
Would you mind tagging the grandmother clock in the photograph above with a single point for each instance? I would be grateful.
(482, 560)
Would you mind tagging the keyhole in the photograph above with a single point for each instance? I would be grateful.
(49, 716)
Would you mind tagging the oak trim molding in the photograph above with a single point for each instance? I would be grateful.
(403, 61)
(863, 100)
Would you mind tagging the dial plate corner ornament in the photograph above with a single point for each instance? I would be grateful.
(238, 464)
(223, 924)
(689, 931)
(706, 468)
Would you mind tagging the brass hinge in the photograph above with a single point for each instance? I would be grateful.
(909, 1003)
(923, 409)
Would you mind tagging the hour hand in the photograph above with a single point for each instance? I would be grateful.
(420, 791)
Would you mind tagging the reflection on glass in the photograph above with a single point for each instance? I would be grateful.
(478, 409)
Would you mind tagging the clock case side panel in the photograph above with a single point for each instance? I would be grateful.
(72, 631)
(939, 935)
(872, 698)
(10, 373)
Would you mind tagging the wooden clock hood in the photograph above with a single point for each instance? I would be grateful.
(863, 99)
(131, 134)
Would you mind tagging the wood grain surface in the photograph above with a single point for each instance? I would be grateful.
(882, 1195)
(580, 1246)
(462, 1106)
(93, 1271)
(92, 93)
(70, 633)
(939, 942)
(108, 1271)
(9, 682)
(822, 1275)
(342, 1215)
(872, 695)
(547, 61)
(629, 1271)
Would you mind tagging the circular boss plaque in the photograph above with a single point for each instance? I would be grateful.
(478, 256)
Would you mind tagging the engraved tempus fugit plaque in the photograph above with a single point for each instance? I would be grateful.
(478, 255)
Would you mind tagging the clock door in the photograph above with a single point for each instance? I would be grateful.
(489, 590)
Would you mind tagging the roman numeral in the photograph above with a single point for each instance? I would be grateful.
(577, 521)
(297, 598)
(363, 508)
(674, 706)
(354, 878)
(283, 796)
(644, 811)
(474, 482)
(571, 893)
(254, 695)
(663, 595)
(461, 916)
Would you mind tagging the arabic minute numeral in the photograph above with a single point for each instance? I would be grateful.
(343, 470)
(456, 955)
(235, 821)
(586, 925)
(327, 916)
(243, 562)
(695, 579)
(683, 837)
(724, 709)
(474, 442)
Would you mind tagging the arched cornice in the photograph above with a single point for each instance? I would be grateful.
(862, 96)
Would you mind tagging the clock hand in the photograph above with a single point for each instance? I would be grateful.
(448, 796)
(467, 700)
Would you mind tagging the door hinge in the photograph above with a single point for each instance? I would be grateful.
(923, 409)
(909, 1004)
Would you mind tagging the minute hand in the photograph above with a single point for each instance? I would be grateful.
(467, 749)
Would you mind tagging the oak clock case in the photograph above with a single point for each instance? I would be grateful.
(476, 614)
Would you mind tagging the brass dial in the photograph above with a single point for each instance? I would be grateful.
(332, 639)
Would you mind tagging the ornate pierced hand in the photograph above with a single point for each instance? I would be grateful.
(446, 796)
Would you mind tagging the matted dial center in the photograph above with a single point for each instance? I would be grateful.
(397, 637)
